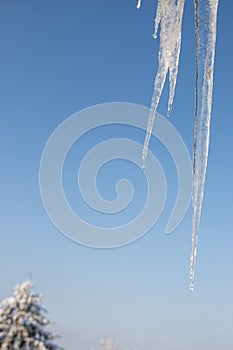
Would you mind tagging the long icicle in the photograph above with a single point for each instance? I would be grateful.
(203, 130)
(196, 14)
(169, 16)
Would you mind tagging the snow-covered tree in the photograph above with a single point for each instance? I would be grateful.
(22, 321)
(107, 344)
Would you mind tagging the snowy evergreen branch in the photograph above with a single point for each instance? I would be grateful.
(22, 321)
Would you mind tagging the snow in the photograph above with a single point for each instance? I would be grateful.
(107, 343)
(169, 16)
(207, 41)
(8, 302)
(22, 321)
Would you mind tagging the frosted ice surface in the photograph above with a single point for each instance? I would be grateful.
(169, 16)
(207, 35)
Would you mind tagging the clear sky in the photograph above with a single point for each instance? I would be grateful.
(58, 57)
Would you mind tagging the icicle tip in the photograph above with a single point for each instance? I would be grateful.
(139, 4)
(191, 287)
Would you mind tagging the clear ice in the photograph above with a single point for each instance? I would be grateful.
(207, 10)
(169, 16)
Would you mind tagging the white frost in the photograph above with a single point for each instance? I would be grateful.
(169, 16)
(207, 37)
(22, 321)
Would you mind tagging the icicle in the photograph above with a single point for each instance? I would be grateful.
(209, 36)
(196, 13)
(169, 15)
(139, 4)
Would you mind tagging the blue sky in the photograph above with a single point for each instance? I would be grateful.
(58, 57)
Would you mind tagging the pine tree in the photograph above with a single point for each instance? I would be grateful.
(22, 321)
(107, 344)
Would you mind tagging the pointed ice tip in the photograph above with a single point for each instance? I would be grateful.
(143, 164)
(144, 156)
(169, 110)
(191, 287)
(139, 4)
(154, 36)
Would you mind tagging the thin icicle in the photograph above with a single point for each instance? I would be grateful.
(139, 4)
(169, 16)
(209, 35)
(196, 14)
